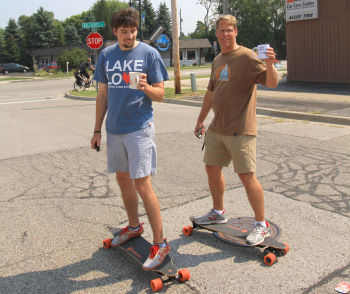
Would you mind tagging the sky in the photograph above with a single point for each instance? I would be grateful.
(62, 9)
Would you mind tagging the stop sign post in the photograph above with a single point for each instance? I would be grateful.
(94, 41)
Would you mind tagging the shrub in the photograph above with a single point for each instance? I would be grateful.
(75, 57)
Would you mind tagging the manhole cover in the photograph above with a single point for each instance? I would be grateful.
(245, 224)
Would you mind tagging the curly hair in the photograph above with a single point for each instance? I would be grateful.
(127, 17)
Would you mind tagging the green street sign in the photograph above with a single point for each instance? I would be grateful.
(93, 25)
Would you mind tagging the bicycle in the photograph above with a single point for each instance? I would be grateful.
(81, 82)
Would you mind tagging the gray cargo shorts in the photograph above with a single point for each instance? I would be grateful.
(134, 153)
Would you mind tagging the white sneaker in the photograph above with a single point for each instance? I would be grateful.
(258, 235)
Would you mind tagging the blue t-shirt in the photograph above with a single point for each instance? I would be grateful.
(129, 110)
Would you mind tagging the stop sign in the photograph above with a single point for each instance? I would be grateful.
(94, 40)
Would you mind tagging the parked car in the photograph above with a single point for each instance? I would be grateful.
(12, 67)
(51, 65)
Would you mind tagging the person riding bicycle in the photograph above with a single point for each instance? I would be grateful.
(84, 66)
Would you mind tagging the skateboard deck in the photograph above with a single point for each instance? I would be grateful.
(227, 228)
(236, 235)
(138, 248)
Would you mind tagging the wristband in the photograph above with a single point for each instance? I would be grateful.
(97, 132)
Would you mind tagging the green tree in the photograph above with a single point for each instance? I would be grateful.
(27, 32)
(260, 22)
(278, 22)
(2, 46)
(136, 4)
(12, 40)
(76, 22)
(210, 6)
(200, 31)
(71, 35)
(58, 34)
(150, 18)
(44, 28)
(75, 57)
(164, 18)
(103, 10)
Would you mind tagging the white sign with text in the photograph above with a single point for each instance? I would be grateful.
(301, 10)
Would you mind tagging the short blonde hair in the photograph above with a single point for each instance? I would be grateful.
(228, 18)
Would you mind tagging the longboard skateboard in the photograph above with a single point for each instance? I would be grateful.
(237, 234)
(138, 248)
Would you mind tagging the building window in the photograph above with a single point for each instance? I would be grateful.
(44, 61)
(181, 55)
(191, 54)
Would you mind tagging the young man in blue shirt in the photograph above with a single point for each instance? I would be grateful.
(131, 149)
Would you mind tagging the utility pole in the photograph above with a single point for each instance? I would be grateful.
(177, 80)
(224, 7)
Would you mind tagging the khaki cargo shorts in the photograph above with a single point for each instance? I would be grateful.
(220, 150)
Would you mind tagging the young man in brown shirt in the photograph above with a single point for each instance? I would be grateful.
(232, 134)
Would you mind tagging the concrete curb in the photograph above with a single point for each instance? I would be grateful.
(330, 119)
(73, 97)
(323, 118)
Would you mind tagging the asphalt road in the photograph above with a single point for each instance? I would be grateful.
(57, 203)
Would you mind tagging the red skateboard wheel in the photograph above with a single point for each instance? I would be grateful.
(270, 259)
(187, 230)
(184, 275)
(285, 251)
(157, 284)
(107, 243)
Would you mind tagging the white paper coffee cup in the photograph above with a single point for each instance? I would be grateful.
(134, 79)
(261, 50)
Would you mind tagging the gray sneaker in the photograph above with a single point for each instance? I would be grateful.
(211, 218)
(258, 235)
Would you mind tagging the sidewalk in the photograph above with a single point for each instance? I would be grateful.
(328, 103)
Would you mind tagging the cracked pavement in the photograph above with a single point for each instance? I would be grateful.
(58, 204)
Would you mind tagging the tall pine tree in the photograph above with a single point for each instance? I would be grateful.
(59, 34)
(44, 28)
(27, 32)
(71, 35)
(103, 10)
(1, 44)
(164, 18)
(12, 40)
(150, 18)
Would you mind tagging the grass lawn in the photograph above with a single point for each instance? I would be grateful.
(189, 77)
(169, 93)
(190, 67)
(39, 74)
(14, 78)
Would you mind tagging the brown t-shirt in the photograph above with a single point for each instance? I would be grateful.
(234, 79)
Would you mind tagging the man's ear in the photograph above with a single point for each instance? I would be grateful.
(114, 31)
